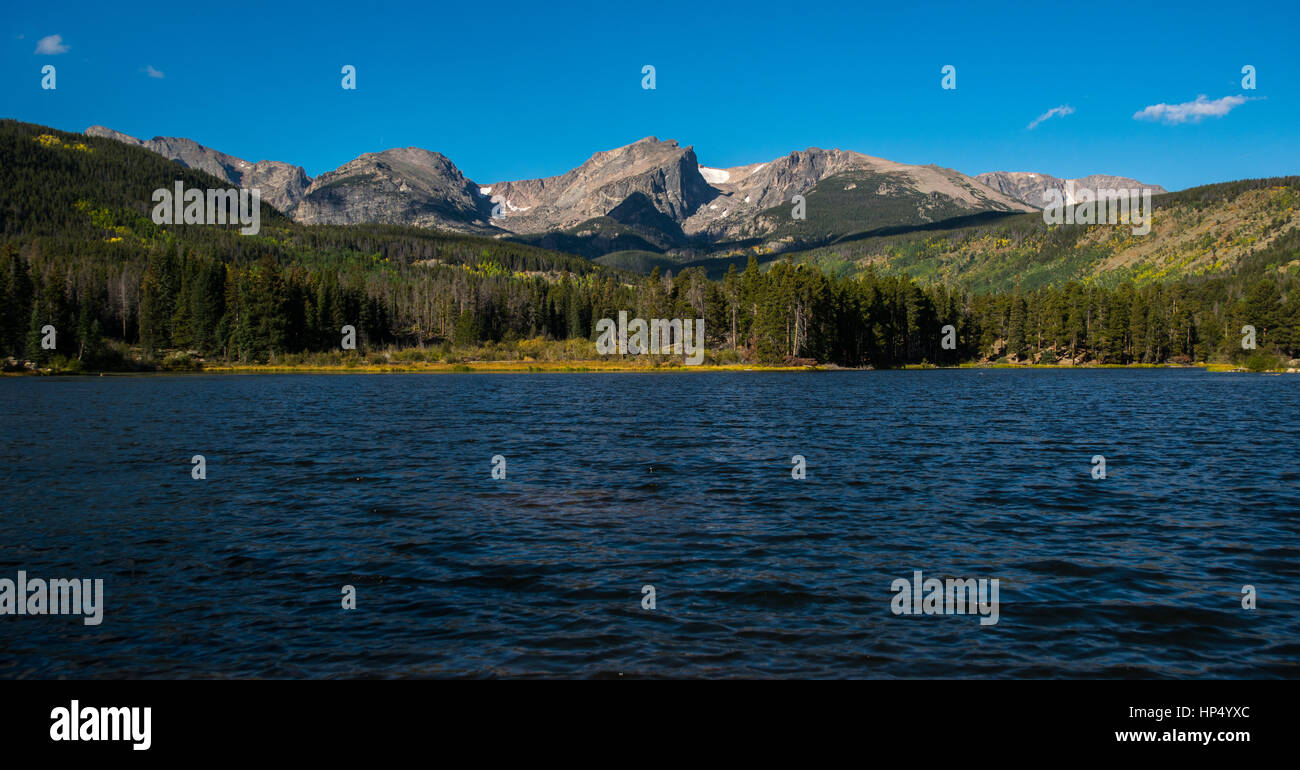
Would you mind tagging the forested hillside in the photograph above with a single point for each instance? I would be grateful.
(1243, 227)
(79, 252)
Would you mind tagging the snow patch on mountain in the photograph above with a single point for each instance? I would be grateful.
(715, 175)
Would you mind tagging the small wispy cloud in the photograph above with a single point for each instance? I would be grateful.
(153, 73)
(1062, 111)
(1190, 112)
(51, 44)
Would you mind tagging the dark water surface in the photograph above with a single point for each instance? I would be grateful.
(680, 481)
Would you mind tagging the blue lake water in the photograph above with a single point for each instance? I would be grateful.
(679, 481)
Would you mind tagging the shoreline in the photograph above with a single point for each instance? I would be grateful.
(578, 367)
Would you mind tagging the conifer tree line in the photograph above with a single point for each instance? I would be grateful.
(79, 252)
(249, 311)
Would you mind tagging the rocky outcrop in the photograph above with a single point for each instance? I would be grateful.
(404, 186)
(667, 175)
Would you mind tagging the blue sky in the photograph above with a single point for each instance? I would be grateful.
(512, 90)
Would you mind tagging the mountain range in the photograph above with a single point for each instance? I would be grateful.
(1032, 188)
(65, 193)
(649, 196)
(282, 184)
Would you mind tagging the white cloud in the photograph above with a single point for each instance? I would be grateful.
(1063, 110)
(1190, 112)
(51, 44)
(153, 73)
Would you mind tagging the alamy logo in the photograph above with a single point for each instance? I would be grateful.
(209, 207)
(53, 597)
(87, 723)
(664, 335)
(957, 597)
(1101, 207)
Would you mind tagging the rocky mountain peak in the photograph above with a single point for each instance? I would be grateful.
(665, 173)
(403, 185)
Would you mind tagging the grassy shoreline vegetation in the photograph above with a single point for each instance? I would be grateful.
(533, 356)
(79, 253)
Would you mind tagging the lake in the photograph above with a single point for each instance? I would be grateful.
(683, 482)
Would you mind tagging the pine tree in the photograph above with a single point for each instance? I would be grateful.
(1016, 341)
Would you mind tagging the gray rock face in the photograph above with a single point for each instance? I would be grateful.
(109, 133)
(282, 184)
(405, 186)
(666, 174)
(748, 190)
(1032, 188)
